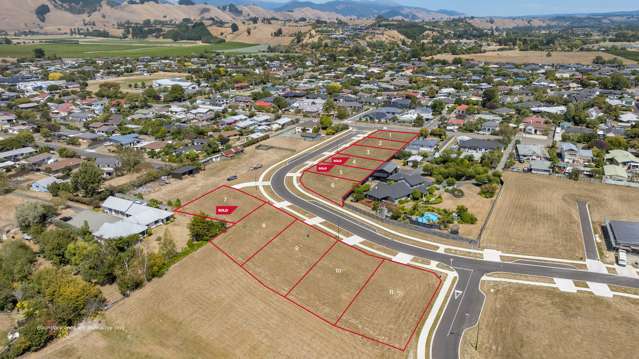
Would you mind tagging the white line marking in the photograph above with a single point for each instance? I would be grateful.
(353, 240)
(402, 258)
(565, 285)
(314, 221)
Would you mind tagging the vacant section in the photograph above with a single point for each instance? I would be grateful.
(393, 303)
(537, 215)
(393, 135)
(206, 307)
(251, 234)
(354, 162)
(520, 321)
(284, 261)
(330, 188)
(368, 153)
(333, 283)
(376, 142)
(224, 203)
(341, 172)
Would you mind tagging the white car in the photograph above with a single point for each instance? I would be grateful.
(622, 258)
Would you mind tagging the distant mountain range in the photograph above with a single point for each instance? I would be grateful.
(349, 8)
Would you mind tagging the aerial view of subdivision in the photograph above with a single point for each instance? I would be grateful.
(411, 179)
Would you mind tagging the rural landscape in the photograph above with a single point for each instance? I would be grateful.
(319, 179)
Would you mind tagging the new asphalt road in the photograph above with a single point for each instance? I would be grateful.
(461, 312)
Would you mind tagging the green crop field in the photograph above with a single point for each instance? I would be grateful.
(89, 48)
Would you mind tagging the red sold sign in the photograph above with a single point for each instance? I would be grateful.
(225, 210)
(339, 160)
(323, 168)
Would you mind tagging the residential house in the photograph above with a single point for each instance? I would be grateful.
(43, 184)
(530, 152)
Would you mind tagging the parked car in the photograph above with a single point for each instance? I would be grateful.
(256, 167)
(231, 178)
(622, 258)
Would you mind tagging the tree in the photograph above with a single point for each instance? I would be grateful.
(92, 260)
(490, 98)
(31, 216)
(424, 132)
(234, 27)
(87, 179)
(38, 53)
(130, 158)
(69, 298)
(53, 245)
(167, 246)
(176, 93)
(202, 229)
(325, 122)
(342, 113)
(280, 102)
(333, 88)
(437, 106)
(5, 185)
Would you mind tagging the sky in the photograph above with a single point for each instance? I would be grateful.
(521, 7)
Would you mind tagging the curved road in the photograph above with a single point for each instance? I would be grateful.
(460, 313)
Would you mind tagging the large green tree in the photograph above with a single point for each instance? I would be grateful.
(87, 179)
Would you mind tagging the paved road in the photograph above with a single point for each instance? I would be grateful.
(460, 313)
(586, 231)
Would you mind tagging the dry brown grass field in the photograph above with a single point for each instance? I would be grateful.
(333, 283)
(347, 173)
(356, 162)
(537, 215)
(476, 204)
(368, 152)
(374, 142)
(396, 136)
(206, 306)
(216, 173)
(251, 234)
(390, 306)
(520, 321)
(222, 196)
(284, 261)
(331, 188)
(536, 57)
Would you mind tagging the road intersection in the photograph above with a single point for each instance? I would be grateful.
(463, 309)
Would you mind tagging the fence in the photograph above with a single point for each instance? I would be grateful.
(413, 227)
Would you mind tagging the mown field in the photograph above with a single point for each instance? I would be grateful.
(90, 48)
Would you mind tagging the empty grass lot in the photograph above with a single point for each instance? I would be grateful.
(395, 136)
(333, 189)
(248, 236)
(521, 321)
(334, 282)
(285, 260)
(356, 162)
(375, 142)
(391, 305)
(207, 307)
(223, 196)
(347, 173)
(369, 152)
(537, 215)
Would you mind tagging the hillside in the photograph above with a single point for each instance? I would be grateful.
(371, 9)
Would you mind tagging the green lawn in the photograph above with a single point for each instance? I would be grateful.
(121, 48)
(626, 54)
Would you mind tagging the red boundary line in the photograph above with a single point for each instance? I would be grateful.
(382, 162)
(311, 268)
(295, 219)
(359, 291)
(386, 139)
(342, 165)
(326, 174)
(268, 242)
(379, 147)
